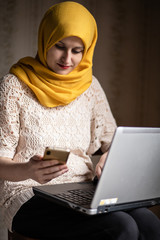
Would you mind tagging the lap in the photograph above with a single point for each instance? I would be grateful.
(147, 222)
(39, 217)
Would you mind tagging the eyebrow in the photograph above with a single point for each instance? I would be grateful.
(81, 47)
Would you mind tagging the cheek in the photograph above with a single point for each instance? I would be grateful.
(52, 55)
(78, 59)
(49, 58)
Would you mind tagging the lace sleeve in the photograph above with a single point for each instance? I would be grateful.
(10, 95)
(103, 124)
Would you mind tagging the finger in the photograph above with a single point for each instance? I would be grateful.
(49, 163)
(36, 157)
(98, 171)
(51, 176)
(54, 169)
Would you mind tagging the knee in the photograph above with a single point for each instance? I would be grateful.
(148, 223)
(127, 228)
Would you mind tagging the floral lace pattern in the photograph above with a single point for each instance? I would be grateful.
(26, 128)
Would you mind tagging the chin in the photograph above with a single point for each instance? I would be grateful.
(63, 72)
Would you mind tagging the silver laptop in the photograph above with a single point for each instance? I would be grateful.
(130, 178)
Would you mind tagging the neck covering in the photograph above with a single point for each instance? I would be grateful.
(60, 21)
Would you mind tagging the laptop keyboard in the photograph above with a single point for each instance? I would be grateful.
(78, 196)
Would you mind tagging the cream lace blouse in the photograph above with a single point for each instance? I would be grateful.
(26, 128)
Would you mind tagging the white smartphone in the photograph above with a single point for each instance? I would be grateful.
(59, 154)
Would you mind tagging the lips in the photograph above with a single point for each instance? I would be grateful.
(63, 66)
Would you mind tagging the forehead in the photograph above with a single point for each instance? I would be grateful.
(72, 40)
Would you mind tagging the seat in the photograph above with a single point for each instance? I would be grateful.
(17, 236)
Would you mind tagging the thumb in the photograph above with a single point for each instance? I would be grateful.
(37, 157)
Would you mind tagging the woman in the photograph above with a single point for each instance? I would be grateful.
(53, 100)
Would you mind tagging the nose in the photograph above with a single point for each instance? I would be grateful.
(66, 58)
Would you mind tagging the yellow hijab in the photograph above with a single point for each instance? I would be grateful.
(60, 21)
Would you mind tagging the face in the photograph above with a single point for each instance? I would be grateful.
(65, 55)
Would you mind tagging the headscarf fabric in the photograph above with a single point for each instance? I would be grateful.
(60, 21)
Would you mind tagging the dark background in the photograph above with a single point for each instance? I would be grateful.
(127, 55)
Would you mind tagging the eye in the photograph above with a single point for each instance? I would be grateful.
(59, 47)
(77, 50)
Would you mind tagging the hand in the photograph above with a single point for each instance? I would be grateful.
(100, 165)
(44, 171)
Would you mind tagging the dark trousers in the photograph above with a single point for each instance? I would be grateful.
(42, 219)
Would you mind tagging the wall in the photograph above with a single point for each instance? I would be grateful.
(127, 55)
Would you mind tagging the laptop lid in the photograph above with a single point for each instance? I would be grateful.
(130, 177)
(132, 170)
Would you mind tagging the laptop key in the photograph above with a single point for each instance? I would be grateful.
(77, 196)
(86, 194)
